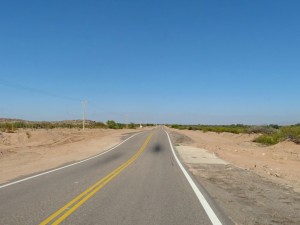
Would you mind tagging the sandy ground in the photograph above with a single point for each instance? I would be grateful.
(30, 151)
(259, 185)
(280, 163)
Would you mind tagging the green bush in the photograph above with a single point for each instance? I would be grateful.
(262, 130)
(268, 139)
(112, 124)
(291, 133)
(132, 126)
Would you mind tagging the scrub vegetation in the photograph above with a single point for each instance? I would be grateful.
(11, 125)
(270, 134)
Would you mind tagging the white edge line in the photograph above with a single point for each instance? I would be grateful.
(209, 211)
(63, 167)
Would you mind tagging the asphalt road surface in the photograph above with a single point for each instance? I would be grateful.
(138, 182)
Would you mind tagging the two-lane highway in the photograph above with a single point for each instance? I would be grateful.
(138, 182)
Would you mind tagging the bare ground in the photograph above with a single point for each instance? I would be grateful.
(250, 195)
(31, 151)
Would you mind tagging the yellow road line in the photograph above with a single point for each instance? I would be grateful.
(87, 194)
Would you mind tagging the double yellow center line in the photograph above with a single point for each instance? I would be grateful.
(69, 208)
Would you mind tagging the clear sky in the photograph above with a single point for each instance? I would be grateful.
(199, 62)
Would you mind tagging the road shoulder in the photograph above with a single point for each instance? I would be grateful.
(245, 197)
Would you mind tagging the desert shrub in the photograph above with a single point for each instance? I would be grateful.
(132, 126)
(98, 125)
(291, 133)
(262, 130)
(235, 128)
(267, 139)
(19, 125)
(112, 124)
(271, 134)
(28, 134)
(179, 127)
(275, 126)
(149, 125)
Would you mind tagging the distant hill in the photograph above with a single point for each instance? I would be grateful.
(7, 120)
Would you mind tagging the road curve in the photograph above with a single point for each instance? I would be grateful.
(139, 182)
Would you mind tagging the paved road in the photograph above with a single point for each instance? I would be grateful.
(139, 182)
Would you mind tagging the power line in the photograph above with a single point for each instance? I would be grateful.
(8, 83)
(35, 90)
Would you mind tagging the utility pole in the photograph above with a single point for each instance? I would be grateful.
(126, 119)
(83, 113)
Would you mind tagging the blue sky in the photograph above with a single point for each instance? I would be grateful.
(199, 62)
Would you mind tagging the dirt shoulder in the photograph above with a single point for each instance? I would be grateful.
(31, 151)
(248, 195)
(280, 162)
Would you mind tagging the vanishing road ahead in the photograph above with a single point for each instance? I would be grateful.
(138, 182)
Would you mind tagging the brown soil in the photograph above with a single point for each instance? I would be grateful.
(280, 163)
(30, 151)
